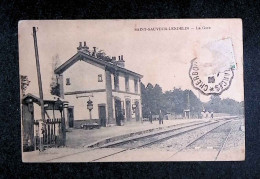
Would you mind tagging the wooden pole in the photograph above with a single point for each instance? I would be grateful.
(39, 79)
(38, 73)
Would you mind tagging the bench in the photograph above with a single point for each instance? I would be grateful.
(90, 126)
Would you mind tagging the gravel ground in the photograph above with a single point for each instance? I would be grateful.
(138, 142)
(236, 137)
(213, 139)
(179, 142)
(135, 138)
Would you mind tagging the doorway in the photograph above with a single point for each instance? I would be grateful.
(118, 111)
(137, 112)
(71, 116)
(102, 114)
(128, 110)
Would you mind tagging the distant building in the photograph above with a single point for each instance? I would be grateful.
(111, 87)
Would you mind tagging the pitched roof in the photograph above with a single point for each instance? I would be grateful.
(83, 56)
(47, 98)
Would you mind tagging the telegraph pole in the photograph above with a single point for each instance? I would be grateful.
(38, 73)
(189, 103)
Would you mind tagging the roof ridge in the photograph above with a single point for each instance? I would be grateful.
(63, 67)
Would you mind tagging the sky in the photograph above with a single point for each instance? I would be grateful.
(162, 56)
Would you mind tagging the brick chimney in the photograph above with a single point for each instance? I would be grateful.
(121, 61)
(84, 48)
(80, 46)
(94, 54)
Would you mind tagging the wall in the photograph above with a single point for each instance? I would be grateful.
(80, 105)
(123, 97)
(83, 76)
(122, 83)
(132, 84)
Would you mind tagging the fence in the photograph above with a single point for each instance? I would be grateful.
(50, 133)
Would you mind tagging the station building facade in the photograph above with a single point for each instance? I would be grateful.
(113, 89)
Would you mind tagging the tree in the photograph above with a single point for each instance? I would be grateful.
(228, 106)
(102, 55)
(24, 83)
(152, 99)
(157, 97)
(177, 100)
(145, 99)
(55, 86)
(214, 104)
(168, 102)
(195, 105)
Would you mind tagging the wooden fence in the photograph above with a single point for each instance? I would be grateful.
(50, 133)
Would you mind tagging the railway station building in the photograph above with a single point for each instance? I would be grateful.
(113, 89)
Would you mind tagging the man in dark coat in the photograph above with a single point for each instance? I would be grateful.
(150, 117)
(121, 118)
(160, 117)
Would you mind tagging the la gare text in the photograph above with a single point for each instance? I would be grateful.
(172, 28)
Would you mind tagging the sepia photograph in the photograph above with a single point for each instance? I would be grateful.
(131, 90)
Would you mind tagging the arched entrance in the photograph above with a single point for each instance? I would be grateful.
(118, 111)
(128, 109)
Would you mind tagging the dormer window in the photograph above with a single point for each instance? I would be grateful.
(67, 81)
(100, 78)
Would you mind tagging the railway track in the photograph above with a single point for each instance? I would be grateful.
(224, 143)
(219, 144)
(162, 135)
(111, 144)
(157, 138)
(154, 138)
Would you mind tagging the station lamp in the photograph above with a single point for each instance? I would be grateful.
(90, 107)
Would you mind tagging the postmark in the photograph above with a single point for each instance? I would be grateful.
(213, 70)
(210, 84)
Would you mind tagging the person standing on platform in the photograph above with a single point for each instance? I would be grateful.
(150, 117)
(211, 114)
(160, 117)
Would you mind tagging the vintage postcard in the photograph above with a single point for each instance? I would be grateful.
(132, 90)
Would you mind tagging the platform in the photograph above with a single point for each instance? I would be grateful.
(77, 138)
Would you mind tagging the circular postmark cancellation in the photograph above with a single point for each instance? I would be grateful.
(209, 84)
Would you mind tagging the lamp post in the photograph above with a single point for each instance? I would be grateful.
(90, 107)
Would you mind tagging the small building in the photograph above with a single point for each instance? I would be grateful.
(113, 90)
(51, 130)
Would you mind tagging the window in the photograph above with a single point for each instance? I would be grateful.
(126, 83)
(67, 81)
(136, 86)
(100, 78)
(116, 81)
